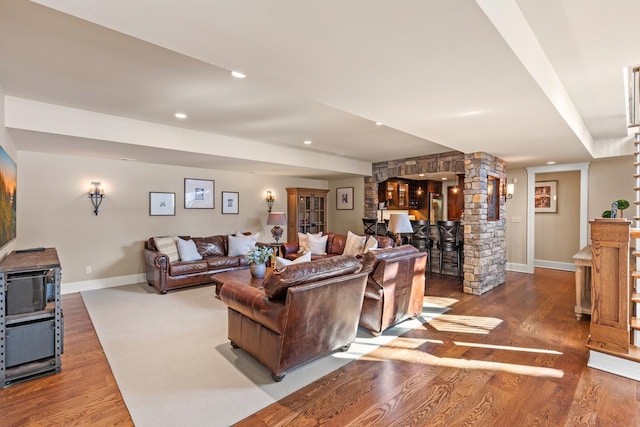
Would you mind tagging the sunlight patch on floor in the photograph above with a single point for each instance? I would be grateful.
(464, 324)
(433, 301)
(506, 347)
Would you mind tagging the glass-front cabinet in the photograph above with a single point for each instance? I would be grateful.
(306, 211)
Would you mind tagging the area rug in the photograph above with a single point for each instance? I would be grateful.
(174, 365)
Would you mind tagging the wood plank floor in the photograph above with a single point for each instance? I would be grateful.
(514, 356)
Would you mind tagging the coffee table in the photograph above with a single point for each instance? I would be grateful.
(241, 276)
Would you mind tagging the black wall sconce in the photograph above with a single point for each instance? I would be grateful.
(270, 199)
(96, 194)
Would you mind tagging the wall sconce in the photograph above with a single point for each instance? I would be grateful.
(270, 199)
(96, 194)
(510, 189)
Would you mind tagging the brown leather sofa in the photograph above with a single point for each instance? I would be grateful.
(395, 287)
(335, 246)
(165, 275)
(306, 311)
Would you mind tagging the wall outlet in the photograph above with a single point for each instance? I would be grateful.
(516, 219)
(88, 269)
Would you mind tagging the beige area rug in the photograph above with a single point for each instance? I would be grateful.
(175, 367)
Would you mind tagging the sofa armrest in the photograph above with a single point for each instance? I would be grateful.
(156, 259)
(254, 304)
(289, 248)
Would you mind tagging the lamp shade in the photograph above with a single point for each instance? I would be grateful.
(277, 218)
(399, 223)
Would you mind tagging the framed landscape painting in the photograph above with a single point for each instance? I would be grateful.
(8, 187)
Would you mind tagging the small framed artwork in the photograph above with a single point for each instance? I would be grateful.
(230, 202)
(198, 193)
(344, 198)
(546, 197)
(162, 204)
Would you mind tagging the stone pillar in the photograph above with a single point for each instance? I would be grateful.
(485, 258)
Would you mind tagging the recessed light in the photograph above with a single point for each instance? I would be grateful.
(180, 115)
(379, 123)
(420, 174)
(307, 142)
(238, 74)
(551, 163)
(444, 179)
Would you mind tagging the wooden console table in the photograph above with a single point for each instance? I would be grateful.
(582, 260)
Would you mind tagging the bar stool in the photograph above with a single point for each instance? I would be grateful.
(448, 233)
(421, 239)
(370, 225)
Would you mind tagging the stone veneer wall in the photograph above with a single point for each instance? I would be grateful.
(484, 251)
(485, 257)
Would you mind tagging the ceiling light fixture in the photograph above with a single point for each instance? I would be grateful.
(238, 74)
(180, 115)
(379, 123)
(551, 163)
(307, 142)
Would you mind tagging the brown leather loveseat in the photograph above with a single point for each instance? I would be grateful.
(306, 311)
(395, 287)
(166, 271)
(335, 246)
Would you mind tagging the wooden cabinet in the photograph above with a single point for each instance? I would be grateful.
(306, 211)
(395, 193)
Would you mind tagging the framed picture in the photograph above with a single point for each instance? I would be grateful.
(162, 203)
(198, 193)
(546, 197)
(230, 202)
(8, 174)
(344, 198)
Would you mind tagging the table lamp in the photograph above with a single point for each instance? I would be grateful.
(399, 223)
(277, 219)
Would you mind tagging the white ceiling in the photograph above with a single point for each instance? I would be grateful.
(529, 80)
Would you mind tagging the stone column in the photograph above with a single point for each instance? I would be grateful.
(485, 256)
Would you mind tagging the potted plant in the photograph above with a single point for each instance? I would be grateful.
(622, 205)
(257, 259)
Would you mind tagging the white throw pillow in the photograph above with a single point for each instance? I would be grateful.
(241, 245)
(354, 245)
(317, 245)
(188, 250)
(168, 246)
(371, 245)
(303, 245)
(283, 262)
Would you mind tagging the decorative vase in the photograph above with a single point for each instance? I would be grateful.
(258, 270)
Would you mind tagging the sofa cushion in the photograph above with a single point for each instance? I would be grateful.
(303, 241)
(317, 245)
(188, 251)
(370, 245)
(277, 282)
(168, 246)
(218, 262)
(354, 244)
(211, 246)
(187, 267)
(283, 262)
(241, 245)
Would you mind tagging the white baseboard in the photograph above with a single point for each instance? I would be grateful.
(110, 282)
(614, 365)
(519, 268)
(555, 265)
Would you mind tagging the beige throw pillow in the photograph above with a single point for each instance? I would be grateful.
(303, 245)
(317, 245)
(169, 247)
(283, 262)
(241, 245)
(354, 245)
(371, 245)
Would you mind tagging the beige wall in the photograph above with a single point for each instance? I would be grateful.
(7, 144)
(341, 221)
(609, 179)
(557, 235)
(54, 209)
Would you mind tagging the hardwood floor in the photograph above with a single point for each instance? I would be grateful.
(84, 393)
(514, 356)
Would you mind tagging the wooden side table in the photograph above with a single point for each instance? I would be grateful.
(582, 260)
